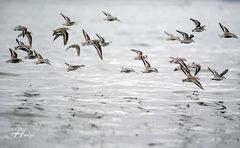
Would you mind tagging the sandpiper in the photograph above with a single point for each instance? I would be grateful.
(31, 55)
(127, 70)
(186, 39)
(226, 33)
(98, 48)
(198, 27)
(186, 71)
(103, 43)
(60, 29)
(148, 68)
(190, 78)
(29, 37)
(21, 28)
(68, 22)
(20, 43)
(76, 46)
(73, 67)
(196, 66)
(14, 57)
(95, 43)
(193, 79)
(41, 60)
(61, 32)
(179, 68)
(183, 66)
(26, 48)
(218, 77)
(109, 17)
(171, 36)
(173, 59)
(189, 66)
(88, 41)
(139, 55)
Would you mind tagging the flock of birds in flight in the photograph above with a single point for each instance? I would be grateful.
(100, 42)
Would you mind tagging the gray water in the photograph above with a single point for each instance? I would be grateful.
(99, 107)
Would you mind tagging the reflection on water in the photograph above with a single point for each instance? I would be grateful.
(98, 106)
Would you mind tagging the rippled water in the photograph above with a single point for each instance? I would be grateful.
(97, 106)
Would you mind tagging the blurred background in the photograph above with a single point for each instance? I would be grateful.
(97, 106)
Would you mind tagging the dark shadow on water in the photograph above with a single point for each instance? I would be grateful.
(220, 104)
(202, 104)
(8, 74)
(141, 44)
(182, 107)
(186, 124)
(18, 113)
(194, 95)
(80, 114)
(29, 94)
(180, 92)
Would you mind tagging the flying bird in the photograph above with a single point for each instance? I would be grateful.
(148, 67)
(61, 32)
(226, 33)
(186, 39)
(88, 41)
(68, 22)
(14, 57)
(127, 70)
(218, 77)
(41, 60)
(98, 48)
(171, 36)
(186, 71)
(21, 28)
(26, 48)
(76, 46)
(29, 37)
(109, 17)
(198, 27)
(197, 68)
(73, 67)
(102, 41)
(139, 54)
